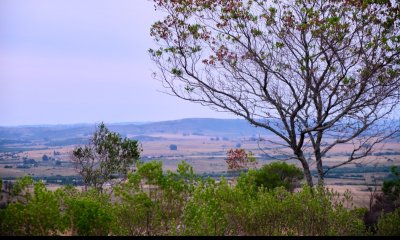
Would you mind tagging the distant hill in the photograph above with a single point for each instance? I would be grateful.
(190, 126)
(20, 137)
(199, 126)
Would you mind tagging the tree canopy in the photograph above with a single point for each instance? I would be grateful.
(277, 174)
(315, 73)
(106, 155)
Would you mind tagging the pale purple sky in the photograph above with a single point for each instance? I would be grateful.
(82, 61)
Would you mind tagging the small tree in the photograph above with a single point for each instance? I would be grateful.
(238, 159)
(173, 147)
(45, 158)
(106, 154)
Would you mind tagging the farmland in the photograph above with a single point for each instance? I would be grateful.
(202, 143)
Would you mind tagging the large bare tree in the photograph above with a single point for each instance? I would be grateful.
(315, 73)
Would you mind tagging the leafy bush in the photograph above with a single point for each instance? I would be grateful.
(391, 188)
(154, 202)
(389, 224)
(277, 174)
(384, 206)
(218, 209)
(32, 213)
(89, 214)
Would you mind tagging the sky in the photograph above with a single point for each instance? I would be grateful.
(82, 61)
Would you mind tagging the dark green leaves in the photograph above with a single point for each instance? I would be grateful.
(176, 72)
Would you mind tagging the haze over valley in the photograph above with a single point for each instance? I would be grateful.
(44, 152)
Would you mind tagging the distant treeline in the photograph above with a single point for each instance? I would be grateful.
(66, 142)
(61, 180)
(342, 173)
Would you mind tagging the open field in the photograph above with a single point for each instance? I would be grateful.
(204, 154)
(202, 145)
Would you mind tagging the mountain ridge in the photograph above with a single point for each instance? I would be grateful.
(195, 126)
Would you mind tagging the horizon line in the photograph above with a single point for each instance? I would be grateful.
(112, 123)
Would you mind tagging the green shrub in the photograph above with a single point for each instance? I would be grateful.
(32, 213)
(205, 213)
(89, 214)
(218, 209)
(389, 224)
(276, 174)
(135, 216)
(391, 188)
(154, 202)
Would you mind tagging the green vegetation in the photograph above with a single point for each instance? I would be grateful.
(388, 225)
(383, 217)
(88, 213)
(107, 155)
(34, 210)
(151, 202)
(391, 188)
(154, 202)
(277, 174)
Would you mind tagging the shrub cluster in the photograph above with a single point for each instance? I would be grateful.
(154, 202)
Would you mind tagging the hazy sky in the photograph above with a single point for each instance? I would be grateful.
(75, 61)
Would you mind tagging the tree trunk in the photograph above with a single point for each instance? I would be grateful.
(318, 155)
(306, 168)
(318, 159)
(320, 172)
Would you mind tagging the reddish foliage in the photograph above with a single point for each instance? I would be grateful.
(238, 159)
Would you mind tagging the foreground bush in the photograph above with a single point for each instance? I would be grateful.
(217, 209)
(152, 202)
(88, 213)
(276, 174)
(34, 211)
(389, 224)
